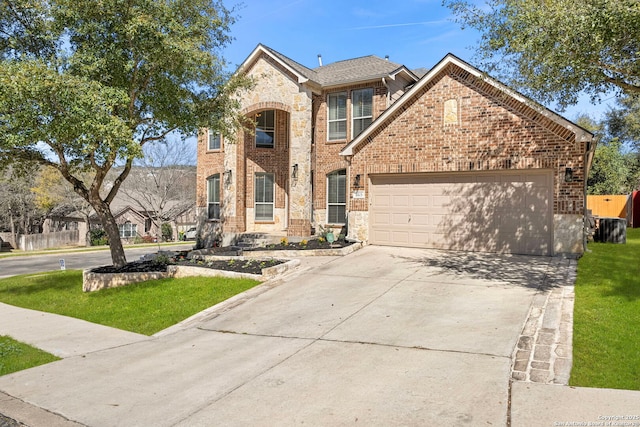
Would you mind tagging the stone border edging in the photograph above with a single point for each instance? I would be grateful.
(543, 352)
(96, 281)
(304, 253)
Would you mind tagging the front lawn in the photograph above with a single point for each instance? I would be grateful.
(16, 356)
(606, 331)
(145, 308)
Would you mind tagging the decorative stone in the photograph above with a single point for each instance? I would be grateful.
(540, 376)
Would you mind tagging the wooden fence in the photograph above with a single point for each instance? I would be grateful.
(609, 206)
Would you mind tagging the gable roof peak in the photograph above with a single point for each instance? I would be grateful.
(451, 59)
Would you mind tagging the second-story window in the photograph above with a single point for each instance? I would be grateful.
(337, 115)
(362, 109)
(266, 129)
(214, 140)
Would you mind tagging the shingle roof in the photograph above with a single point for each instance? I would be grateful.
(301, 69)
(352, 70)
(342, 72)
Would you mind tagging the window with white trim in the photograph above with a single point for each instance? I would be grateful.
(337, 197)
(361, 109)
(263, 196)
(215, 140)
(213, 197)
(127, 230)
(266, 129)
(337, 105)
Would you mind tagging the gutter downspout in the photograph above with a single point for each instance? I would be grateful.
(384, 82)
(588, 158)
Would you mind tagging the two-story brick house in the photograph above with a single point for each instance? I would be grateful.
(449, 159)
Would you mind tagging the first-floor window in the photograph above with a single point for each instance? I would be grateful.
(264, 197)
(213, 197)
(127, 230)
(337, 197)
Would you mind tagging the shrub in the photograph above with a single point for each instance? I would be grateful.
(98, 237)
(167, 231)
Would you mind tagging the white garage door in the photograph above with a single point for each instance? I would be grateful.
(506, 212)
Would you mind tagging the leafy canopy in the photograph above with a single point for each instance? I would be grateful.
(84, 85)
(555, 49)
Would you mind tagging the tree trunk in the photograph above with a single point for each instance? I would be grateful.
(113, 233)
(87, 233)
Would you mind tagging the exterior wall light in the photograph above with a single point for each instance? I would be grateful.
(568, 175)
(356, 181)
(227, 176)
(294, 171)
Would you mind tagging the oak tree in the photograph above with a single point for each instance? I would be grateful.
(554, 50)
(84, 85)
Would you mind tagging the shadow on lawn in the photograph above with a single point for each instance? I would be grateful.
(536, 272)
(614, 269)
(624, 282)
(59, 281)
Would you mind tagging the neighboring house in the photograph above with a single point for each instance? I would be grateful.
(133, 223)
(447, 158)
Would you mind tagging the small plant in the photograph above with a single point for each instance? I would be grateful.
(321, 239)
(303, 243)
(161, 259)
(284, 241)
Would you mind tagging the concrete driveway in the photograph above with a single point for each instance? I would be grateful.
(383, 336)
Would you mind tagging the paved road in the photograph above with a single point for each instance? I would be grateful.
(79, 260)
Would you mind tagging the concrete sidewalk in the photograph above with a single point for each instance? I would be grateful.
(384, 336)
(61, 335)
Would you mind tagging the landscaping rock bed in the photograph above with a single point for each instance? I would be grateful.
(183, 264)
(256, 263)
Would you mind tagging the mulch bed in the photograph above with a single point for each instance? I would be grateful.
(251, 266)
(300, 246)
(133, 267)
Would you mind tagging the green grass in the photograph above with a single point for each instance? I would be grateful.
(606, 332)
(16, 356)
(145, 308)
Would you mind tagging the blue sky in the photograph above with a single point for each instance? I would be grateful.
(415, 33)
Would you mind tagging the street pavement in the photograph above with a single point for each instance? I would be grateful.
(29, 264)
(383, 336)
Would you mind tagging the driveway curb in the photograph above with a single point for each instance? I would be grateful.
(543, 353)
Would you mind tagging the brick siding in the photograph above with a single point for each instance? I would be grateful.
(492, 133)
